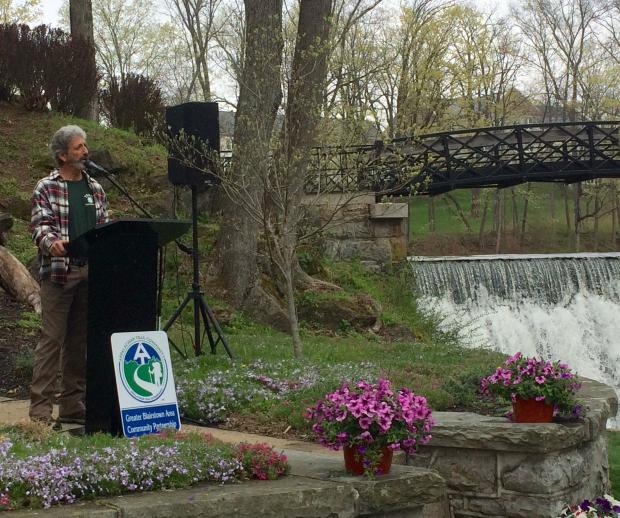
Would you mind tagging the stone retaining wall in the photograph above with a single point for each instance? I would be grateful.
(496, 468)
(374, 233)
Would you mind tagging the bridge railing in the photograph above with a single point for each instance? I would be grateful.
(481, 157)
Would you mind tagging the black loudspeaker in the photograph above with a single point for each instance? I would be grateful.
(201, 121)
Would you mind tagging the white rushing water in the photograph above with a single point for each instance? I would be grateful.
(564, 307)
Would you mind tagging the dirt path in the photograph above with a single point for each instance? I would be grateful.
(17, 341)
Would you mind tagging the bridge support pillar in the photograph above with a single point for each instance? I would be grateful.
(376, 234)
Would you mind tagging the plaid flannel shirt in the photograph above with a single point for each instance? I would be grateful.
(50, 220)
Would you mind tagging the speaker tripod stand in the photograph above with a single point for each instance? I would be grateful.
(203, 316)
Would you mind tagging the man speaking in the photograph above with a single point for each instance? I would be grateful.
(65, 204)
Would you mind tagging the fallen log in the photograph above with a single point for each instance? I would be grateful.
(17, 281)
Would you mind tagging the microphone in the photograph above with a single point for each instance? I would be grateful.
(91, 165)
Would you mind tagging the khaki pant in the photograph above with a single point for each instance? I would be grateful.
(62, 345)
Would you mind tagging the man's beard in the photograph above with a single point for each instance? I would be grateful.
(77, 164)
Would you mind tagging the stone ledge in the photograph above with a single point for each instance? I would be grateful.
(403, 489)
(474, 431)
(389, 211)
(317, 487)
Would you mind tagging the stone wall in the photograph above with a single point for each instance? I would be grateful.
(496, 468)
(374, 233)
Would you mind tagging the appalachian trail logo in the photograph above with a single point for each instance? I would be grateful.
(143, 371)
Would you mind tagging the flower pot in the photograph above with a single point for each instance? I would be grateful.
(354, 461)
(531, 411)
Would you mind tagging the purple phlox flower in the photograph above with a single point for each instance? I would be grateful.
(540, 379)
(604, 504)
(341, 414)
(585, 505)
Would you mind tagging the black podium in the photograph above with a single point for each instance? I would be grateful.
(122, 297)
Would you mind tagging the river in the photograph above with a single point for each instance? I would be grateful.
(562, 307)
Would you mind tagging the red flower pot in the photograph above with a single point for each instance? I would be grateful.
(531, 411)
(354, 461)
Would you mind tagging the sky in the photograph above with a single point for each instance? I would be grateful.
(51, 7)
(50, 11)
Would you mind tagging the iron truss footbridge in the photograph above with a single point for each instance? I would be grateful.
(482, 157)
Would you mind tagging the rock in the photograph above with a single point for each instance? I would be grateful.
(18, 207)
(338, 311)
(266, 309)
(104, 158)
(6, 222)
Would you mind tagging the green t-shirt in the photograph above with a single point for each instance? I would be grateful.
(82, 215)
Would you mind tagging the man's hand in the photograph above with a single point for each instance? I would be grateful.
(58, 248)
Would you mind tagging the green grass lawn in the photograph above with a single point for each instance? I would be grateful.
(546, 230)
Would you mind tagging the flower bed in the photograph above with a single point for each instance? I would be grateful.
(61, 470)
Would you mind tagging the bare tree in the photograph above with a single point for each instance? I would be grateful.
(198, 19)
(305, 95)
(259, 98)
(424, 42)
(81, 20)
(24, 11)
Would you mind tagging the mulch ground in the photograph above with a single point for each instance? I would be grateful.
(16, 346)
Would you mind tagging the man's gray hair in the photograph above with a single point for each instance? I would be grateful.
(61, 139)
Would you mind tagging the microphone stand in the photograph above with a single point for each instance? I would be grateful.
(110, 177)
(195, 295)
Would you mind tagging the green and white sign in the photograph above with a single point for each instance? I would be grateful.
(144, 382)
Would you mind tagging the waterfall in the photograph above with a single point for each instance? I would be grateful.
(562, 307)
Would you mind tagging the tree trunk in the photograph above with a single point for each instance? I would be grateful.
(499, 210)
(431, 214)
(615, 214)
(81, 20)
(613, 220)
(578, 217)
(515, 211)
(483, 222)
(17, 281)
(292, 315)
(524, 219)
(475, 203)
(259, 98)
(566, 207)
(597, 215)
(305, 98)
(459, 211)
